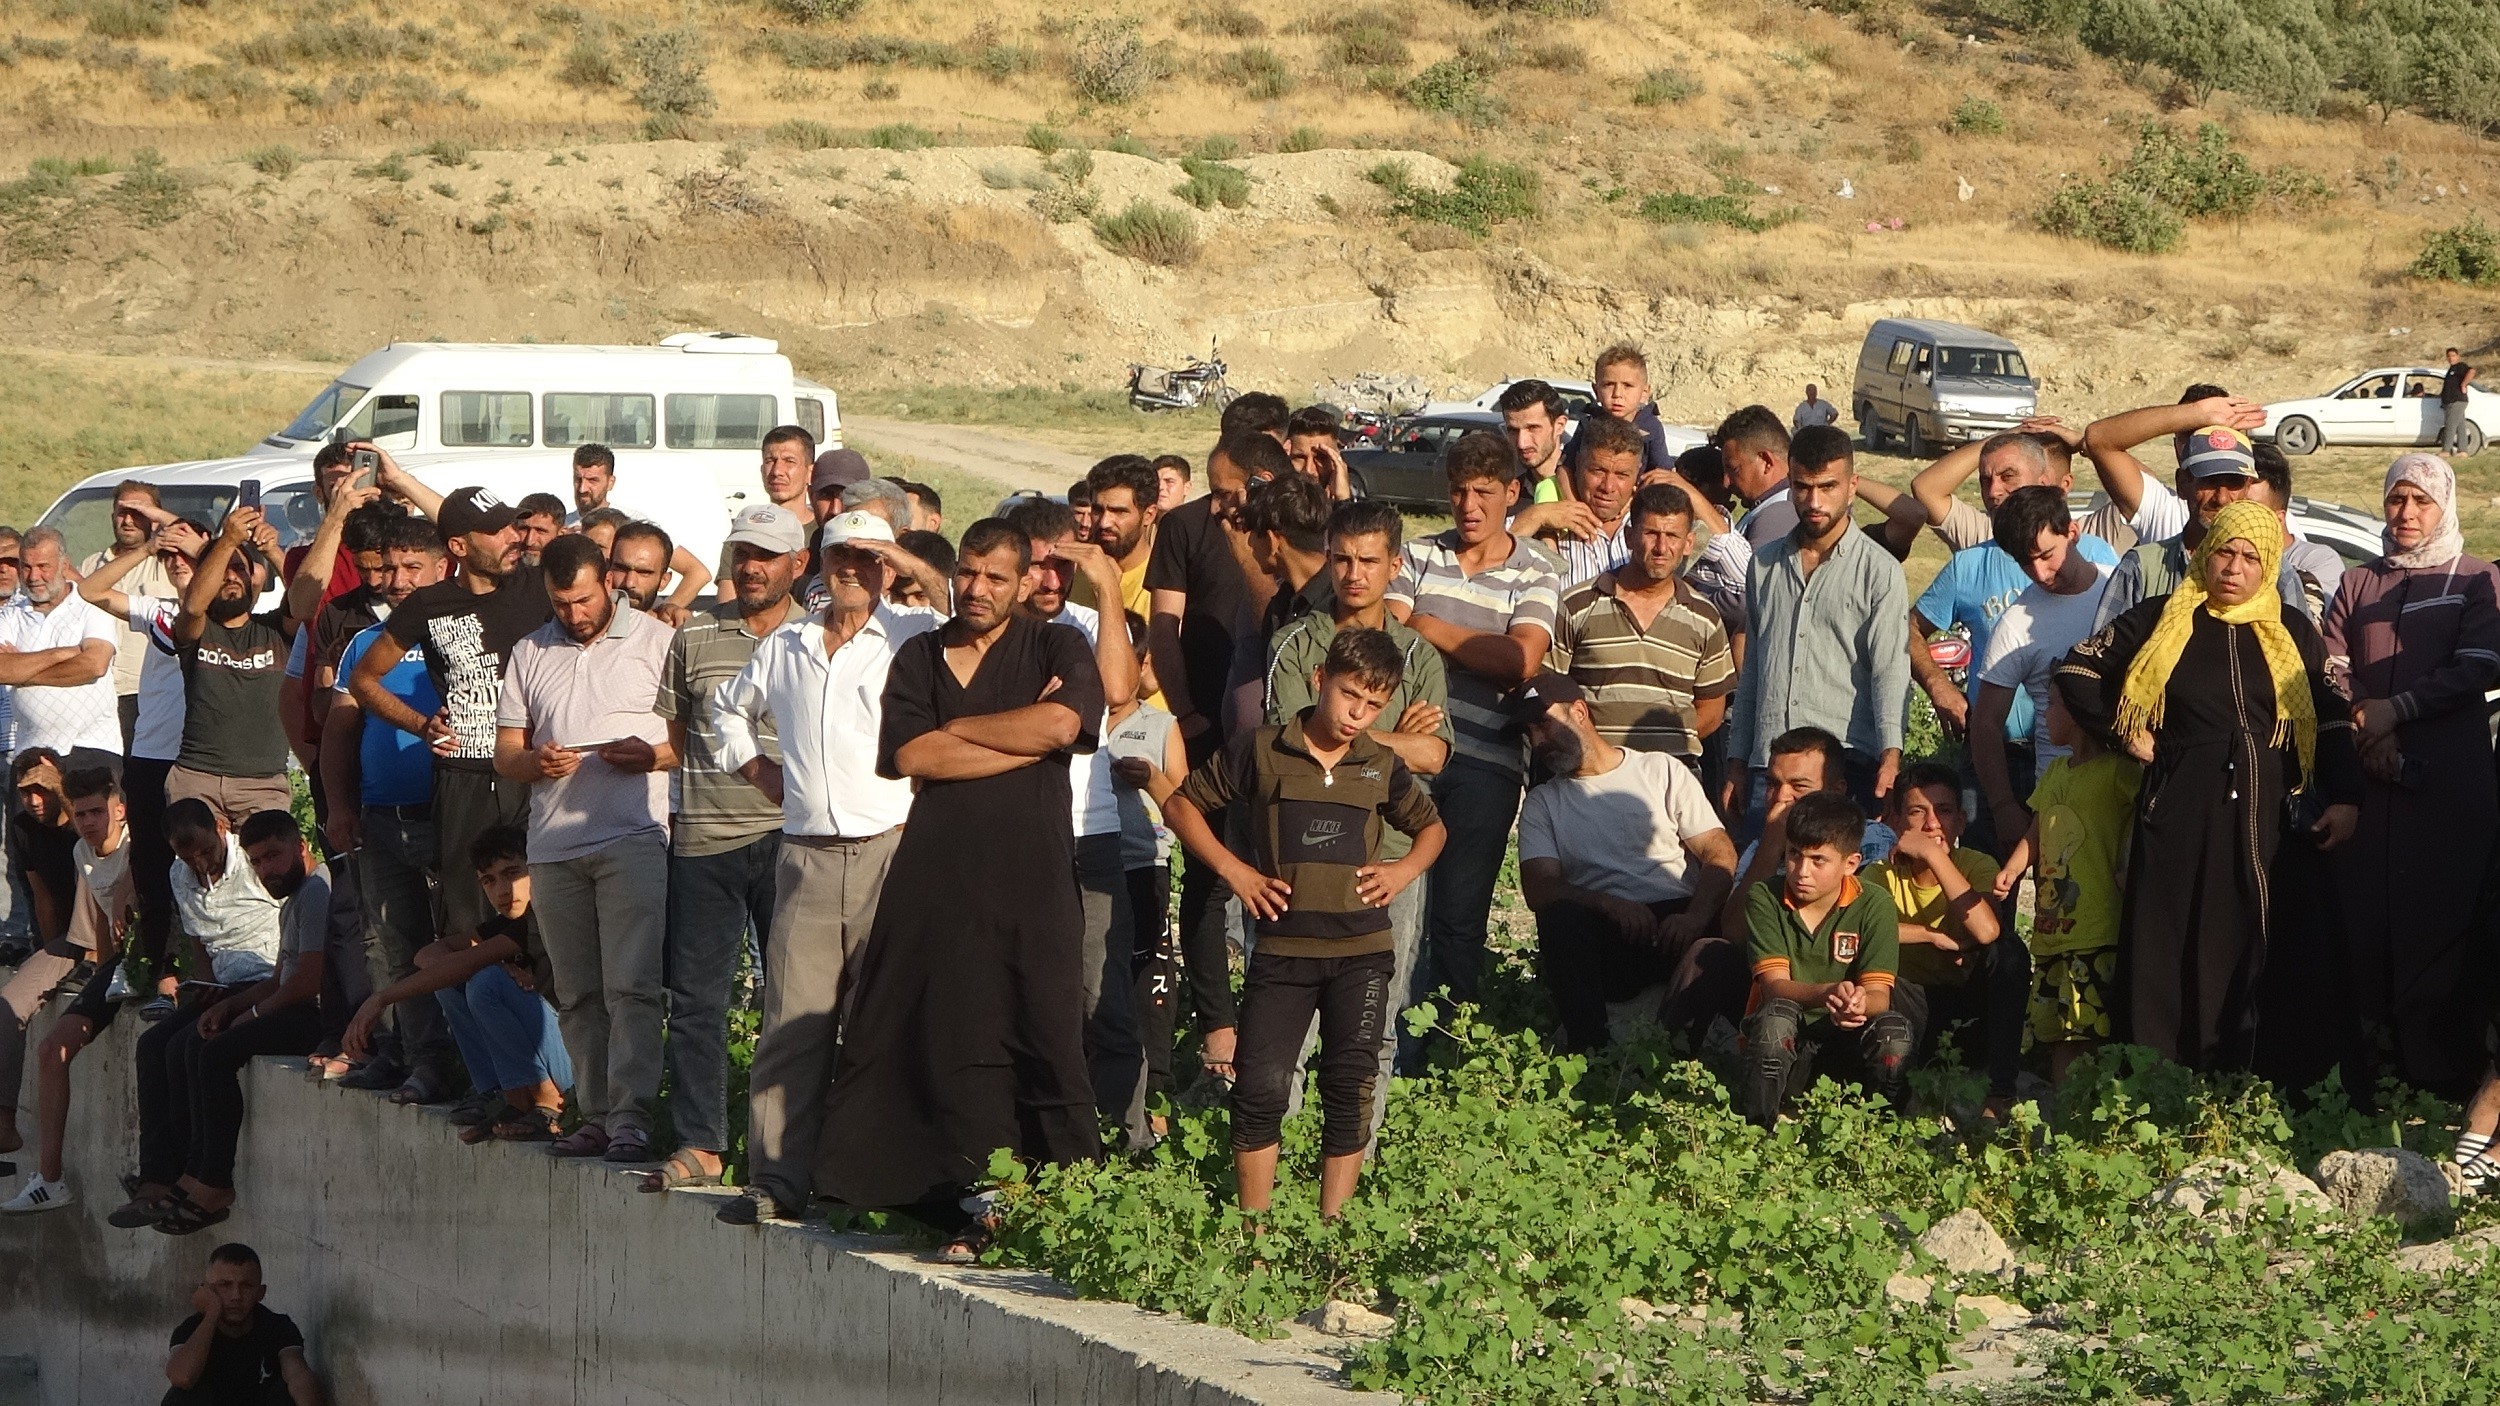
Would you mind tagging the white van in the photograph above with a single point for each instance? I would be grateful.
(699, 402)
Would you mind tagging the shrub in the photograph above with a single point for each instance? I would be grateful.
(672, 63)
(668, 127)
(1128, 144)
(1225, 19)
(1726, 208)
(2467, 253)
(1259, 70)
(1976, 116)
(590, 63)
(2205, 179)
(1217, 147)
(393, 167)
(2107, 212)
(1372, 38)
(129, 19)
(1045, 140)
(811, 11)
(1663, 86)
(1303, 139)
(1149, 233)
(150, 195)
(1110, 64)
(878, 90)
(805, 133)
(1461, 87)
(1212, 183)
(445, 152)
(1485, 193)
(279, 161)
(60, 168)
(901, 136)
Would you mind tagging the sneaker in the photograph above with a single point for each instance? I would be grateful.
(157, 1009)
(39, 1195)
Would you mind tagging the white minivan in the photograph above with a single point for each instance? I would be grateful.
(699, 402)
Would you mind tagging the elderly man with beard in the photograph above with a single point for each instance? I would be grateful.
(1626, 868)
(967, 1033)
(577, 723)
(800, 723)
(57, 654)
(233, 663)
(726, 844)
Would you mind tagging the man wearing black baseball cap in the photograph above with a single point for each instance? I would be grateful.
(464, 627)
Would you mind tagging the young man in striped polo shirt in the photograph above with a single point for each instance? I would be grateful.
(1650, 652)
(1486, 599)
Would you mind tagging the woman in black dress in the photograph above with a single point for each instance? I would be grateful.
(966, 1031)
(2224, 697)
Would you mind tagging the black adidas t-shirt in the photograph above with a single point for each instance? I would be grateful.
(466, 638)
(230, 683)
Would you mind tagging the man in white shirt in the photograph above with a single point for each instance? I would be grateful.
(818, 684)
(58, 655)
(138, 510)
(2053, 615)
(1114, 1047)
(1813, 410)
(1626, 868)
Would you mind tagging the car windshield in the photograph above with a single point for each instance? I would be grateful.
(1983, 361)
(325, 411)
(85, 517)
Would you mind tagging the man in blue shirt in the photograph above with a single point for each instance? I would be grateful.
(381, 790)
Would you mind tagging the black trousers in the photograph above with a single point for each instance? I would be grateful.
(1997, 999)
(151, 864)
(467, 804)
(191, 1088)
(1586, 962)
(269, 1393)
(1351, 995)
(1153, 970)
(1782, 1045)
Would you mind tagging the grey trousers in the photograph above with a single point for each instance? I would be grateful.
(824, 904)
(604, 918)
(2451, 429)
(395, 887)
(1406, 933)
(1115, 1048)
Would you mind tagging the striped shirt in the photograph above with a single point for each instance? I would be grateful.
(1522, 590)
(1583, 562)
(717, 810)
(1642, 684)
(572, 695)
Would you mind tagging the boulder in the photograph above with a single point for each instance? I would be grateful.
(1965, 1243)
(1914, 1289)
(2000, 1313)
(2384, 1181)
(2441, 1256)
(2228, 1190)
(1339, 1319)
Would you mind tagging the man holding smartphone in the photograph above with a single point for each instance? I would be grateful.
(233, 662)
(138, 511)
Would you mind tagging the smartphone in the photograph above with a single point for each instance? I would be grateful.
(247, 495)
(367, 465)
(589, 746)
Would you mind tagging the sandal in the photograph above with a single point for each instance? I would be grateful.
(188, 1217)
(143, 1210)
(970, 1242)
(421, 1087)
(628, 1145)
(683, 1168)
(536, 1125)
(588, 1140)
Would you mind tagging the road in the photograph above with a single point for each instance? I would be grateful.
(982, 452)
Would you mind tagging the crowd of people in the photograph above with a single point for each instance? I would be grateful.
(922, 802)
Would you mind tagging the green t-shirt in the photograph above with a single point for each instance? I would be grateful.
(2086, 813)
(1859, 940)
(1546, 491)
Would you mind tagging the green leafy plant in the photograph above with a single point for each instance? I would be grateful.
(901, 136)
(2468, 253)
(2142, 205)
(672, 64)
(1259, 70)
(1303, 139)
(1975, 116)
(1461, 87)
(1212, 183)
(1149, 233)
(1663, 87)
(1726, 208)
(1485, 193)
(1371, 37)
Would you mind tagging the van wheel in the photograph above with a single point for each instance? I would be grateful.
(2297, 435)
(1913, 439)
(1871, 424)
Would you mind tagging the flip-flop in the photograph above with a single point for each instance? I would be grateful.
(681, 1169)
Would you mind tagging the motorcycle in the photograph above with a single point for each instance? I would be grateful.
(1363, 429)
(1198, 383)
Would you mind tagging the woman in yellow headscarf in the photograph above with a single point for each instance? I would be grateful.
(2223, 694)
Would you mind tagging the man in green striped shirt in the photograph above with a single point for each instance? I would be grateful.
(1651, 654)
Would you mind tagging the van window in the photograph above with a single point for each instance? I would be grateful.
(718, 421)
(1921, 358)
(85, 517)
(1899, 365)
(1984, 361)
(617, 421)
(323, 411)
(812, 417)
(382, 418)
(497, 419)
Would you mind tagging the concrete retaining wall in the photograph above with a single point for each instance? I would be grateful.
(425, 1271)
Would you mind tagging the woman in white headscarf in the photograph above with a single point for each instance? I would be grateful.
(2414, 639)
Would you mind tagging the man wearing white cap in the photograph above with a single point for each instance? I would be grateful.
(817, 685)
(727, 841)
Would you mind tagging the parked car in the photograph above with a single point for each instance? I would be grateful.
(2352, 532)
(699, 402)
(1407, 470)
(2389, 405)
(1936, 383)
(1579, 401)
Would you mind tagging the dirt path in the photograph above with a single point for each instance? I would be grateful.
(996, 455)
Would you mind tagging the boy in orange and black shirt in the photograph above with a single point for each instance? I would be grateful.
(1826, 953)
(1319, 791)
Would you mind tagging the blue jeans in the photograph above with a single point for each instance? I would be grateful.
(714, 902)
(507, 1035)
(1477, 804)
